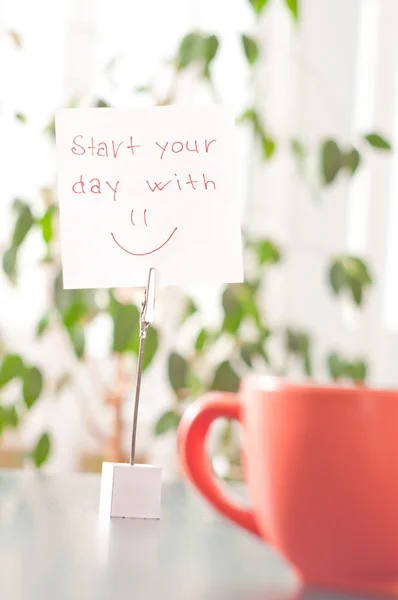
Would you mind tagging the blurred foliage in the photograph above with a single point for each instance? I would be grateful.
(197, 49)
(41, 451)
(258, 5)
(340, 368)
(21, 385)
(298, 344)
(377, 141)
(293, 6)
(335, 160)
(350, 274)
(250, 48)
(195, 372)
(21, 117)
(243, 339)
(69, 310)
(267, 143)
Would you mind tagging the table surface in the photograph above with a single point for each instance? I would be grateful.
(54, 546)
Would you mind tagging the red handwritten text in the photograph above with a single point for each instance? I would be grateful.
(101, 149)
(177, 147)
(111, 149)
(94, 186)
(160, 185)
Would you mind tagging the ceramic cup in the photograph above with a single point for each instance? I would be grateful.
(321, 466)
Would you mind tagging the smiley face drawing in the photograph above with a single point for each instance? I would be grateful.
(136, 253)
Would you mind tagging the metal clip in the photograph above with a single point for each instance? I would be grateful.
(147, 316)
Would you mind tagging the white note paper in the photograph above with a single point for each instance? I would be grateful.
(148, 187)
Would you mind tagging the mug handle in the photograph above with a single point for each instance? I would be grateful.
(192, 433)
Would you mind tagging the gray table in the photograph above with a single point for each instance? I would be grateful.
(54, 547)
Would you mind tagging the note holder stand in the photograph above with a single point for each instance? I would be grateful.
(127, 489)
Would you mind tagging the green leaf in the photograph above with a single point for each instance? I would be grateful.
(77, 338)
(101, 104)
(23, 225)
(296, 146)
(233, 313)
(268, 147)
(197, 48)
(126, 328)
(64, 299)
(340, 368)
(351, 160)
(293, 6)
(151, 346)
(307, 364)
(76, 307)
(18, 205)
(250, 48)
(251, 116)
(247, 355)
(335, 366)
(74, 313)
(331, 160)
(357, 269)
(357, 371)
(50, 129)
(377, 141)
(225, 378)
(21, 117)
(178, 371)
(211, 45)
(258, 5)
(46, 224)
(296, 342)
(250, 350)
(190, 50)
(299, 344)
(189, 310)
(267, 252)
(42, 450)
(337, 277)
(166, 422)
(246, 294)
(201, 340)
(32, 385)
(9, 417)
(351, 274)
(10, 263)
(194, 384)
(11, 367)
(113, 305)
(356, 291)
(42, 325)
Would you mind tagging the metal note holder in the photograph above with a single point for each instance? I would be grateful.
(129, 489)
(147, 316)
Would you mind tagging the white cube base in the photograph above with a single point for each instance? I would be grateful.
(130, 491)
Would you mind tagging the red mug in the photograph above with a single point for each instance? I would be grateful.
(321, 465)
